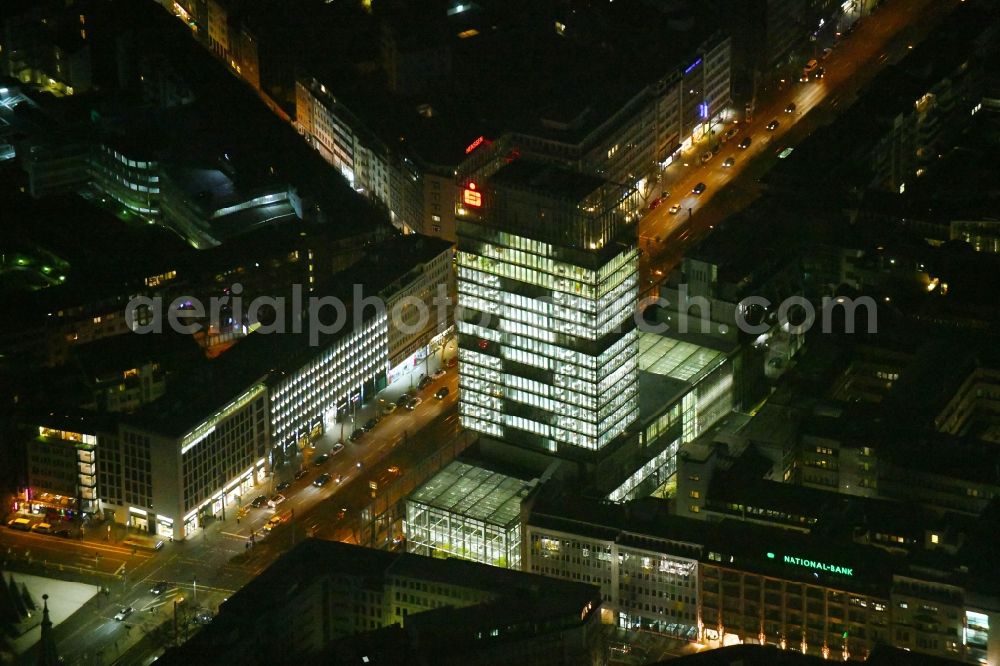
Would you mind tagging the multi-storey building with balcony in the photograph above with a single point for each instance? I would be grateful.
(62, 466)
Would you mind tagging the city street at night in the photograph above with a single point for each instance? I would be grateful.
(854, 61)
(217, 562)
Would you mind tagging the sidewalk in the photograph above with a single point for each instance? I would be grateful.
(337, 432)
(405, 383)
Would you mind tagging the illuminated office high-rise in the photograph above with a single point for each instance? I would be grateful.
(547, 288)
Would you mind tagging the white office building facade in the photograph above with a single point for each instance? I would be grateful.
(304, 402)
(642, 587)
(169, 486)
(547, 342)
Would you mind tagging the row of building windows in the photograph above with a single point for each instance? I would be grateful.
(230, 449)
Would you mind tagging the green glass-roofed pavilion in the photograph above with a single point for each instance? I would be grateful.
(468, 512)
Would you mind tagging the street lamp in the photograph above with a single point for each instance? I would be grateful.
(177, 602)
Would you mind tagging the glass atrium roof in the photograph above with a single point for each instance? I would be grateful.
(674, 358)
(475, 492)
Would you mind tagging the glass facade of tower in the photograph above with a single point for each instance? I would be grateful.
(547, 341)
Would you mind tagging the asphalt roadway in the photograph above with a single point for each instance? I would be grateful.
(880, 40)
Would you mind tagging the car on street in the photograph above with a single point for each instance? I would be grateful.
(820, 73)
(730, 133)
(439, 373)
(745, 143)
(403, 399)
(203, 617)
(283, 486)
(414, 403)
(785, 152)
(790, 108)
(273, 522)
(160, 587)
(124, 613)
(673, 210)
(773, 125)
(62, 534)
(321, 459)
(424, 382)
(442, 393)
(370, 425)
(699, 188)
(730, 161)
(276, 500)
(42, 528)
(337, 448)
(388, 408)
(706, 156)
(22, 524)
(299, 474)
(259, 501)
(356, 435)
(322, 480)
(809, 69)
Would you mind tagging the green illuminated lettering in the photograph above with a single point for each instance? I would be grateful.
(812, 564)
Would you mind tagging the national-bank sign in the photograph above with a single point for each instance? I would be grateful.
(814, 564)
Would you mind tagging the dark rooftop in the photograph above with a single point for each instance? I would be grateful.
(893, 92)
(547, 179)
(492, 82)
(81, 421)
(751, 247)
(313, 561)
(115, 354)
(822, 512)
(656, 392)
